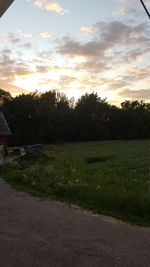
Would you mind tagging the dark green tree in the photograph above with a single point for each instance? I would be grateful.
(92, 117)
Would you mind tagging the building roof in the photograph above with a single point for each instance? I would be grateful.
(4, 5)
(4, 129)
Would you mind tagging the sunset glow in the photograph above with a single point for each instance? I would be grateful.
(76, 47)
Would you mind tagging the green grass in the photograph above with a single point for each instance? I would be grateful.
(106, 177)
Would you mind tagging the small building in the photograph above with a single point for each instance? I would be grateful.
(4, 133)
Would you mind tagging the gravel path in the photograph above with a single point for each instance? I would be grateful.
(35, 232)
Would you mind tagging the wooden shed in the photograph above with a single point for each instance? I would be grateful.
(4, 133)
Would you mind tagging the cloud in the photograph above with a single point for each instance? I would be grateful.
(78, 82)
(66, 80)
(45, 34)
(87, 29)
(12, 89)
(109, 36)
(115, 85)
(138, 54)
(11, 37)
(113, 59)
(93, 66)
(119, 12)
(9, 69)
(136, 74)
(130, 10)
(135, 94)
(147, 3)
(14, 38)
(24, 35)
(50, 6)
(113, 51)
(26, 45)
(42, 69)
(6, 51)
(72, 47)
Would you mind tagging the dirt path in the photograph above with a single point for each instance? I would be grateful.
(49, 233)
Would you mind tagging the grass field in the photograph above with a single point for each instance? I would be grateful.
(106, 177)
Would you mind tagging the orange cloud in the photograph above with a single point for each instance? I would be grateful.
(50, 6)
(88, 29)
(45, 34)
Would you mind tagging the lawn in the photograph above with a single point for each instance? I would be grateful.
(106, 177)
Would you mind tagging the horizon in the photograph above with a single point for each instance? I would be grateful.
(98, 48)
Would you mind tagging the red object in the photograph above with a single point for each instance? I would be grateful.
(3, 141)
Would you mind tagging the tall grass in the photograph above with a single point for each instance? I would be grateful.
(105, 177)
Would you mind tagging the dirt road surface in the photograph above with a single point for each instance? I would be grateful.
(35, 232)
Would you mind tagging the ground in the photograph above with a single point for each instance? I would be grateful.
(37, 232)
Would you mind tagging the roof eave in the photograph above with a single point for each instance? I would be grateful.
(4, 5)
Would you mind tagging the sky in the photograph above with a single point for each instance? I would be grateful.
(76, 46)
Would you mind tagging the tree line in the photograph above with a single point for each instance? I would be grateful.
(51, 117)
